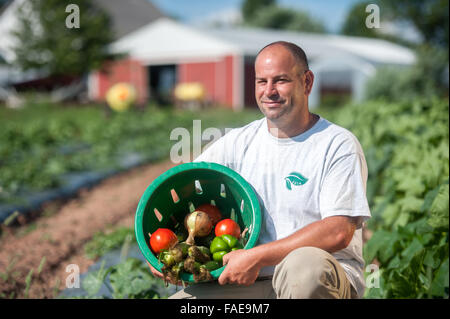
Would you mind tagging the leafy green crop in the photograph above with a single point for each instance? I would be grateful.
(407, 151)
(103, 242)
(129, 279)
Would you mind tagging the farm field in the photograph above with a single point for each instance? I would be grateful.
(41, 144)
(405, 144)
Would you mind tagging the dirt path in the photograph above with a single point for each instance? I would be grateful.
(60, 236)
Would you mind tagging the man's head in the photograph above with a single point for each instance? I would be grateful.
(283, 82)
(294, 49)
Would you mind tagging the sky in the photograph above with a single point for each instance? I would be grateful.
(332, 13)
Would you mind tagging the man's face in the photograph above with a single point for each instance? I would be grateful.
(279, 86)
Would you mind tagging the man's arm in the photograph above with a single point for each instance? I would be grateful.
(330, 234)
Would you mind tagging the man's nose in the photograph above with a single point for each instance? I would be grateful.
(270, 90)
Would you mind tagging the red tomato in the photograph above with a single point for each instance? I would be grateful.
(229, 227)
(162, 238)
(212, 211)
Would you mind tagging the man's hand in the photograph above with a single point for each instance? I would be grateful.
(241, 268)
(330, 234)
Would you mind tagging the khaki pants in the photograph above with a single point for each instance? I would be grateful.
(305, 273)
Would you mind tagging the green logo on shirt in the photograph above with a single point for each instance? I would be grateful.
(295, 178)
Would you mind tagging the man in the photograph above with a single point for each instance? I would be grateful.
(310, 176)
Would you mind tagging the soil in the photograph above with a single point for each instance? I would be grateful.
(59, 231)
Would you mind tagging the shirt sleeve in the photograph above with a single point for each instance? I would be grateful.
(343, 190)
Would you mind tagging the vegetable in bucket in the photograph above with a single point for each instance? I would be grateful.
(228, 227)
(198, 224)
(162, 239)
(190, 257)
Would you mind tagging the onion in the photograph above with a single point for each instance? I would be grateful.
(198, 224)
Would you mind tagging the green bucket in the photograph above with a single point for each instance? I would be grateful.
(175, 193)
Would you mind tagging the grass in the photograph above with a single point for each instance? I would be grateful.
(105, 241)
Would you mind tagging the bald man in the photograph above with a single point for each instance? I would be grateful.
(310, 176)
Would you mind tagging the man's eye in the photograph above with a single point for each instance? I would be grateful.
(261, 81)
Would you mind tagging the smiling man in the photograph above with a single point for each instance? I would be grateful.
(283, 84)
(310, 176)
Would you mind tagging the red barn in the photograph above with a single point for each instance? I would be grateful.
(165, 53)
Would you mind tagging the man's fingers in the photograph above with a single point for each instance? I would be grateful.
(154, 271)
(223, 278)
(224, 260)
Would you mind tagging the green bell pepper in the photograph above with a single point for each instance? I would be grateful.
(222, 245)
(210, 265)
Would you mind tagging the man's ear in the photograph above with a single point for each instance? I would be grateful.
(309, 80)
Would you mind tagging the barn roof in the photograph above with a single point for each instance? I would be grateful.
(129, 15)
(165, 39)
(251, 40)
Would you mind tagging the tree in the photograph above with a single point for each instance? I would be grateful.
(250, 7)
(276, 17)
(430, 17)
(424, 79)
(355, 25)
(45, 42)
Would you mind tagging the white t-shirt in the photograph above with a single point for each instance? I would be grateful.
(319, 173)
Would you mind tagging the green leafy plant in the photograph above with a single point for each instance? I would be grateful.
(406, 145)
(102, 242)
(129, 279)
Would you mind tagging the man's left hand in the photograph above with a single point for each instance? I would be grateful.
(241, 268)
